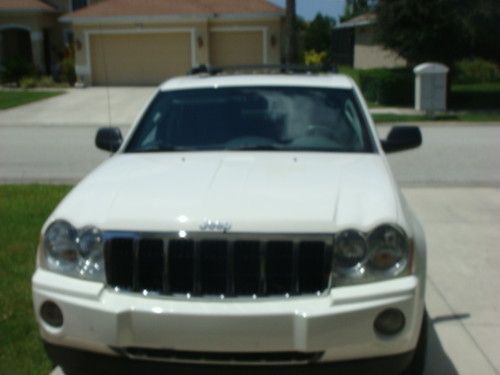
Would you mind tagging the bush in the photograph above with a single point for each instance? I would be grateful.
(351, 72)
(68, 74)
(482, 96)
(14, 69)
(388, 86)
(315, 58)
(476, 71)
(31, 82)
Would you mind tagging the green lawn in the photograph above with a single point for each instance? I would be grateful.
(23, 209)
(454, 117)
(14, 98)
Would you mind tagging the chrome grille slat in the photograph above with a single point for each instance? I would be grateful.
(295, 287)
(219, 265)
(165, 276)
(262, 269)
(135, 265)
(230, 283)
(197, 269)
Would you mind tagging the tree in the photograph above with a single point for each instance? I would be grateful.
(440, 30)
(318, 34)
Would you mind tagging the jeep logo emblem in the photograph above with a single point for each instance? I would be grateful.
(215, 226)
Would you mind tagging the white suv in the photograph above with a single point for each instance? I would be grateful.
(247, 221)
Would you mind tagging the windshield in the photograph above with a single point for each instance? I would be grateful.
(252, 118)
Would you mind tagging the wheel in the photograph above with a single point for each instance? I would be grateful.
(417, 365)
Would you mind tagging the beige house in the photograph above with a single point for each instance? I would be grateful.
(134, 42)
(355, 44)
(30, 30)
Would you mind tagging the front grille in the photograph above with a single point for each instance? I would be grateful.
(221, 357)
(231, 266)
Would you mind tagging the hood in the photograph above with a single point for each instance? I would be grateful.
(253, 191)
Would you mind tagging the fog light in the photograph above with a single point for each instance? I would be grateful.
(389, 322)
(51, 314)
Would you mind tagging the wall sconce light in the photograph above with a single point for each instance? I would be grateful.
(274, 41)
(78, 45)
(200, 41)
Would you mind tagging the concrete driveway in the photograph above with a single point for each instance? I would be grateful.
(86, 107)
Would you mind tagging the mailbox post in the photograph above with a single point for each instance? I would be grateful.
(430, 87)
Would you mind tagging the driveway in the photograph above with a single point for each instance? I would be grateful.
(96, 106)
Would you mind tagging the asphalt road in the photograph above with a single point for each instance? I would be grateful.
(451, 155)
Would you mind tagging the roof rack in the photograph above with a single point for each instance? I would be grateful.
(263, 68)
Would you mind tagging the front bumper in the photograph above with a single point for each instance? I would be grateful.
(78, 362)
(339, 326)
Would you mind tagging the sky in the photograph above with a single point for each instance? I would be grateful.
(309, 8)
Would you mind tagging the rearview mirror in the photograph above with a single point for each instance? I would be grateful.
(109, 139)
(402, 138)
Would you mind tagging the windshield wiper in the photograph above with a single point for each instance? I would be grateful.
(255, 148)
(160, 148)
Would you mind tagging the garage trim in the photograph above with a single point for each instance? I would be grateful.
(262, 29)
(87, 68)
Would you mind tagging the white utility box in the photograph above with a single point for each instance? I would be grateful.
(430, 87)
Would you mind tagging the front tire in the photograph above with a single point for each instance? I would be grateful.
(417, 365)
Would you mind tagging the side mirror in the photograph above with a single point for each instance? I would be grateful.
(109, 139)
(402, 138)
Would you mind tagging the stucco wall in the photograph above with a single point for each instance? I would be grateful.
(368, 53)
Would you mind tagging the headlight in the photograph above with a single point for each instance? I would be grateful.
(73, 252)
(388, 250)
(349, 253)
(365, 257)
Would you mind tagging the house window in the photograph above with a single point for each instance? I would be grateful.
(77, 4)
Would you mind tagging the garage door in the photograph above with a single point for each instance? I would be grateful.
(139, 59)
(236, 48)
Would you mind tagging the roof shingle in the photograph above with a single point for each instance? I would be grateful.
(25, 5)
(110, 8)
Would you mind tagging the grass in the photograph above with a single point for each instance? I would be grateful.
(454, 117)
(15, 98)
(23, 209)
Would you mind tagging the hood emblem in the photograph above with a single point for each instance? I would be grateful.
(215, 226)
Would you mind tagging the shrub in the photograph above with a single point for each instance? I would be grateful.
(351, 72)
(388, 86)
(31, 82)
(479, 96)
(476, 71)
(68, 74)
(14, 69)
(315, 58)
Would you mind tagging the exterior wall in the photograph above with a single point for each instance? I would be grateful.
(35, 23)
(370, 54)
(200, 38)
